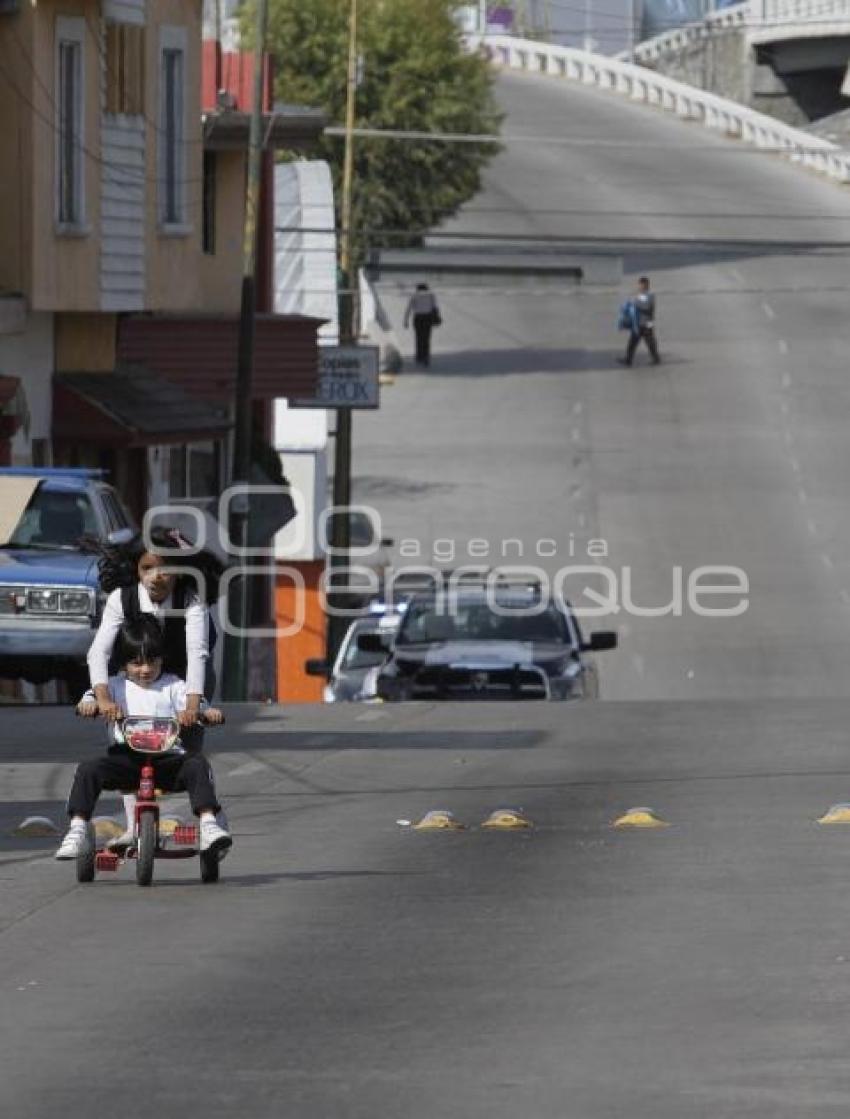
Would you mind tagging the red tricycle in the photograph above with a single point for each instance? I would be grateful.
(155, 737)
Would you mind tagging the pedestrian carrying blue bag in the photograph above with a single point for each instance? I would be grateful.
(627, 319)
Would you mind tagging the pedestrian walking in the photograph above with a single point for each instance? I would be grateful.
(637, 315)
(422, 308)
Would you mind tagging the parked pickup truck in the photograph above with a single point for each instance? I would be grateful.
(49, 600)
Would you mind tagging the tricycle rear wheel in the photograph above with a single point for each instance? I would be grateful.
(209, 866)
(146, 849)
(86, 857)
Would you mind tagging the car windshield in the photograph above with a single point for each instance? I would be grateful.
(54, 519)
(428, 622)
(355, 658)
(360, 528)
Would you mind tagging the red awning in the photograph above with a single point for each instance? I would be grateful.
(199, 352)
(131, 408)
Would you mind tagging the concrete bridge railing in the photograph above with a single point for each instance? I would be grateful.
(761, 20)
(737, 16)
(689, 103)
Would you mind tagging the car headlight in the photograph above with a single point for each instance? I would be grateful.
(75, 602)
(55, 600)
(43, 602)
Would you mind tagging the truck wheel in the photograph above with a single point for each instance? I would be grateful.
(146, 849)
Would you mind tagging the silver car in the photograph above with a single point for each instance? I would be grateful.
(351, 679)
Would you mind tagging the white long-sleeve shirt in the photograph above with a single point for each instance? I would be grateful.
(421, 303)
(197, 637)
(165, 698)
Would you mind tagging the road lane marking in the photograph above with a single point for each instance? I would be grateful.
(639, 664)
(783, 349)
(813, 528)
(578, 408)
(576, 434)
(795, 464)
(803, 496)
(783, 407)
(786, 380)
(768, 310)
(845, 597)
(827, 560)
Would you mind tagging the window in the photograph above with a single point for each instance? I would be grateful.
(195, 470)
(172, 127)
(208, 232)
(70, 202)
(125, 68)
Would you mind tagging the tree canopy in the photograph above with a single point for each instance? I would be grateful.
(415, 76)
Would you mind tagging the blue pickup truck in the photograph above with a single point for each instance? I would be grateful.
(49, 600)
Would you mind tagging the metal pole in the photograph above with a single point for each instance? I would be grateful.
(482, 17)
(236, 645)
(632, 31)
(341, 534)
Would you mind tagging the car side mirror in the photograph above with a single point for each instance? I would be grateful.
(600, 641)
(372, 643)
(317, 667)
(120, 536)
(387, 542)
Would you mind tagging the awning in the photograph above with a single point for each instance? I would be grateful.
(199, 353)
(131, 407)
(287, 127)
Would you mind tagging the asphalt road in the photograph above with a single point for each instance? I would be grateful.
(733, 452)
(347, 966)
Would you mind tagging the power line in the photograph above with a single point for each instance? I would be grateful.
(415, 136)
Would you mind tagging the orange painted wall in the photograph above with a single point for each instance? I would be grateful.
(293, 684)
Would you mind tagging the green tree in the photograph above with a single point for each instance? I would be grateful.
(416, 76)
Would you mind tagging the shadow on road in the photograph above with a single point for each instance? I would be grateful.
(499, 363)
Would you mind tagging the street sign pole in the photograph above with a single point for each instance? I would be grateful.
(341, 528)
(235, 665)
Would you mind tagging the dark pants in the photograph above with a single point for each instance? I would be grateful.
(175, 773)
(422, 327)
(648, 335)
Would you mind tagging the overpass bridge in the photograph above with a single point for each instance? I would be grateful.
(788, 58)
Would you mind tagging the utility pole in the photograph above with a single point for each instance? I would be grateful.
(236, 645)
(341, 525)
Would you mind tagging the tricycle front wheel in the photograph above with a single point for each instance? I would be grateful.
(146, 849)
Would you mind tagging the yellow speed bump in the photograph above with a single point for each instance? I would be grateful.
(106, 827)
(439, 820)
(507, 819)
(838, 814)
(640, 818)
(168, 824)
(36, 827)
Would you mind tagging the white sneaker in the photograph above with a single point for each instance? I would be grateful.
(74, 840)
(214, 837)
